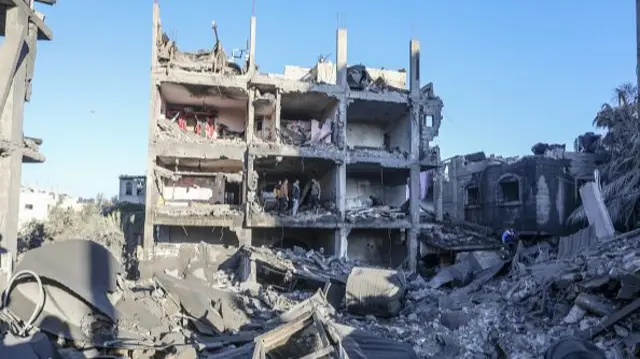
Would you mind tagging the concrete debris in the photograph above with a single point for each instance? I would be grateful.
(358, 78)
(375, 213)
(307, 133)
(171, 130)
(530, 305)
(375, 291)
(212, 61)
(30, 148)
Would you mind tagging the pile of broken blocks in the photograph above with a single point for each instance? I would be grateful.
(69, 299)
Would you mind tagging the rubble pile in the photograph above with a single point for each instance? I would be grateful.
(168, 129)
(374, 213)
(262, 302)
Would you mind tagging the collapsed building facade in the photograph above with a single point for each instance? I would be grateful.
(222, 135)
(22, 27)
(533, 194)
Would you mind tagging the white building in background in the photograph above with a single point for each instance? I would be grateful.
(132, 189)
(35, 204)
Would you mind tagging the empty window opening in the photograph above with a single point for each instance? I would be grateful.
(128, 190)
(428, 120)
(473, 196)
(28, 206)
(509, 189)
(232, 193)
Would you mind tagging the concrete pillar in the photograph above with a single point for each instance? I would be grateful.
(340, 244)
(414, 70)
(11, 117)
(252, 45)
(414, 172)
(250, 184)
(438, 192)
(250, 129)
(277, 115)
(412, 249)
(341, 58)
(152, 195)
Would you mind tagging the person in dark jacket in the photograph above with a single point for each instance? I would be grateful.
(295, 197)
(314, 196)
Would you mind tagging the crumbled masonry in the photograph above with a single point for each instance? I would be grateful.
(502, 305)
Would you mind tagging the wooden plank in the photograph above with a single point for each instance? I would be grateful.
(44, 32)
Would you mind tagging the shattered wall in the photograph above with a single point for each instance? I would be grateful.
(360, 188)
(220, 189)
(305, 238)
(186, 234)
(545, 194)
(377, 246)
(365, 135)
(328, 184)
(400, 134)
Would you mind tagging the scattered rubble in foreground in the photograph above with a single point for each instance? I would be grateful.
(266, 303)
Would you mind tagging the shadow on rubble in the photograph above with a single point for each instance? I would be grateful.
(35, 346)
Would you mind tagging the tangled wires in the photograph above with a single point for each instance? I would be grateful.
(5, 314)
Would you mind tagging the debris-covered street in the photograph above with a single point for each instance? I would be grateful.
(486, 305)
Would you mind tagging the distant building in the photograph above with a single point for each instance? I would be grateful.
(35, 204)
(132, 189)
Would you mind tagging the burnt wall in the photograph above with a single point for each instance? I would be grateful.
(540, 202)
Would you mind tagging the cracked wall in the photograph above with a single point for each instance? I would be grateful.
(305, 238)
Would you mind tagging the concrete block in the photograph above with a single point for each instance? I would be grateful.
(596, 211)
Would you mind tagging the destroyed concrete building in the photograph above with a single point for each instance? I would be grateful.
(532, 194)
(222, 135)
(22, 27)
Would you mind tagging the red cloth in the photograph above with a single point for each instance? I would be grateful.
(210, 128)
(182, 123)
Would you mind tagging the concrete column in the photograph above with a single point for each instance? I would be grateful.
(250, 129)
(252, 46)
(250, 185)
(11, 117)
(277, 117)
(341, 58)
(151, 190)
(438, 193)
(340, 244)
(414, 70)
(414, 172)
(414, 87)
(412, 249)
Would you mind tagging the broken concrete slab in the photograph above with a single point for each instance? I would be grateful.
(86, 267)
(375, 291)
(596, 211)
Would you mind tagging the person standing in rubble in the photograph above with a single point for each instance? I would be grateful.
(295, 197)
(284, 196)
(510, 240)
(314, 196)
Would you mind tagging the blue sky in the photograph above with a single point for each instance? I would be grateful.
(510, 73)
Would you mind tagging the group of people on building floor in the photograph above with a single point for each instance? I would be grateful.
(286, 198)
